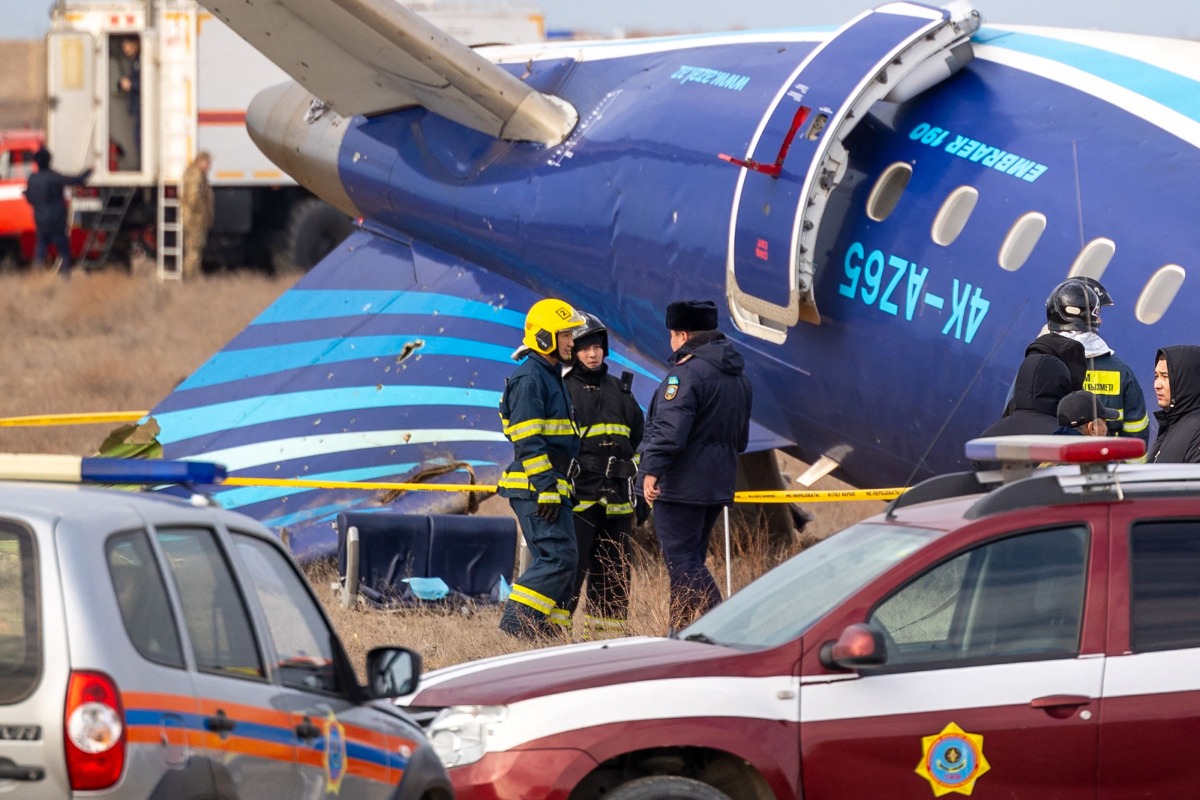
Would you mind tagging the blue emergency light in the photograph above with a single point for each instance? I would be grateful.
(1059, 449)
(80, 469)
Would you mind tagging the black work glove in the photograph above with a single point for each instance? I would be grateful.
(549, 511)
(641, 511)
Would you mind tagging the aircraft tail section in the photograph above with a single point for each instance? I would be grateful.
(371, 56)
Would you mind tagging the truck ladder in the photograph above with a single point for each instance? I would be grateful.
(169, 245)
(106, 226)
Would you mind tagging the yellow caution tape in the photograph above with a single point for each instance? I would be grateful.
(73, 419)
(834, 496)
(739, 497)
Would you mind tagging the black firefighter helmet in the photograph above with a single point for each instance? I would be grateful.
(591, 332)
(1073, 305)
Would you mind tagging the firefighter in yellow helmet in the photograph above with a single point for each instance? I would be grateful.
(536, 412)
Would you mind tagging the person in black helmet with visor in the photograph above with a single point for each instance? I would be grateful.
(610, 430)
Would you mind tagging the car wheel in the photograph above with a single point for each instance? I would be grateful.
(665, 787)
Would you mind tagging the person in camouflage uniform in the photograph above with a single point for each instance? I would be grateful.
(196, 213)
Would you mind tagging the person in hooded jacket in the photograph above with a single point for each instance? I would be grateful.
(698, 423)
(610, 429)
(1177, 389)
(1042, 381)
(1070, 352)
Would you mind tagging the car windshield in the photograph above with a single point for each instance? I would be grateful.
(784, 602)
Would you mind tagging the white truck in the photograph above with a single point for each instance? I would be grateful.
(137, 88)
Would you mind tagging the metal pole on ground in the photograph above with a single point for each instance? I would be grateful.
(728, 567)
(350, 584)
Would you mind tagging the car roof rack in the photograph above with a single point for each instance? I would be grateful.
(941, 487)
(1051, 470)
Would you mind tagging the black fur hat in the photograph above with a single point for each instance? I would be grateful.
(692, 316)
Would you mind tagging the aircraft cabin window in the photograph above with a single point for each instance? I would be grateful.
(953, 215)
(1159, 293)
(1022, 237)
(886, 192)
(1093, 259)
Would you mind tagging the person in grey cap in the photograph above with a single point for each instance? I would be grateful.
(698, 423)
(1082, 414)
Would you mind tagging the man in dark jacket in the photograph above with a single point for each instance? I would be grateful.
(537, 417)
(610, 430)
(1177, 389)
(44, 191)
(699, 421)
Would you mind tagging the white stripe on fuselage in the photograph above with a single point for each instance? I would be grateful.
(1139, 105)
(269, 452)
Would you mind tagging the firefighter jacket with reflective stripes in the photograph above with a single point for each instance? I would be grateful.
(610, 430)
(538, 419)
(1111, 379)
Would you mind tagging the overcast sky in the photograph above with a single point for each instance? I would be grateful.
(29, 18)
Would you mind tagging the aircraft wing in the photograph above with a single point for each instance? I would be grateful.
(384, 364)
(371, 56)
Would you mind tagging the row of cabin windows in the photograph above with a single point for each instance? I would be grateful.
(1153, 301)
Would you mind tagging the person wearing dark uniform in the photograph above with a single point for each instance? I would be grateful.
(1073, 311)
(610, 429)
(698, 423)
(537, 417)
(1177, 389)
(44, 191)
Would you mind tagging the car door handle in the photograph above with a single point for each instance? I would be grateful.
(1057, 700)
(220, 723)
(307, 731)
(1060, 706)
(12, 771)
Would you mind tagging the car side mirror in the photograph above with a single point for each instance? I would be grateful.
(392, 671)
(859, 646)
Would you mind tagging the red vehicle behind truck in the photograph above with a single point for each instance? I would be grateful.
(17, 232)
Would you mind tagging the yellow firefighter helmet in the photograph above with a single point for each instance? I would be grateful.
(545, 321)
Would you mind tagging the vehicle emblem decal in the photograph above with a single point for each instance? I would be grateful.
(335, 754)
(952, 760)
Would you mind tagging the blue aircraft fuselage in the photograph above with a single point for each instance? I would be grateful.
(918, 341)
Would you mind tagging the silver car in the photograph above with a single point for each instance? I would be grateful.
(152, 647)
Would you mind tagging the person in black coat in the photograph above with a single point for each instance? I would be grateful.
(698, 423)
(44, 191)
(1177, 389)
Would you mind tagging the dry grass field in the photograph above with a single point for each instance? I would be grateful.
(113, 342)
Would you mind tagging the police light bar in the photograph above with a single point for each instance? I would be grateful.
(77, 469)
(1060, 449)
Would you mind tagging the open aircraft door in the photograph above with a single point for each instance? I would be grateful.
(71, 76)
(796, 157)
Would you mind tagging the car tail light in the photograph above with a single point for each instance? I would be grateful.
(95, 731)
